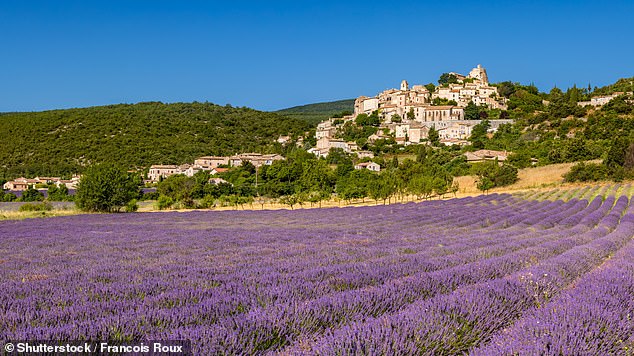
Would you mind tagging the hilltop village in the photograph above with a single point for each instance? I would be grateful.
(407, 114)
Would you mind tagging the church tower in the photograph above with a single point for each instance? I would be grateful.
(404, 85)
(480, 74)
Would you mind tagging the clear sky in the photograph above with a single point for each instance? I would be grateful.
(270, 55)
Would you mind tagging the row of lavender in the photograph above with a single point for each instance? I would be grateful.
(587, 192)
(471, 316)
(351, 280)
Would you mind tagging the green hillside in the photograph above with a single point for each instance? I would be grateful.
(621, 85)
(61, 142)
(314, 113)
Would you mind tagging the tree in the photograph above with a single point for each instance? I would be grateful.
(506, 89)
(443, 101)
(491, 174)
(56, 193)
(484, 184)
(421, 186)
(316, 176)
(382, 187)
(178, 187)
(361, 120)
(354, 185)
(394, 163)
(440, 186)
(471, 112)
(106, 188)
(478, 136)
(447, 78)
(396, 118)
(433, 136)
(455, 187)
(410, 114)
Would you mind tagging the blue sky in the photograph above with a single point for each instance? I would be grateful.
(275, 54)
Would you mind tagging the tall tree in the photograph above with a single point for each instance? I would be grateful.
(478, 136)
(433, 136)
(471, 112)
(106, 188)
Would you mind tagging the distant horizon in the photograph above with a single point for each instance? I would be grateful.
(272, 56)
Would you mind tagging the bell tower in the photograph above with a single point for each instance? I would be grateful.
(404, 85)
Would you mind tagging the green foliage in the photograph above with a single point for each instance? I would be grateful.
(458, 166)
(316, 176)
(32, 194)
(621, 85)
(410, 114)
(315, 113)
(354, 185)
(131, 206)
(622, 104)
(7, 197)
(106, 188)
(440, 186)
(443, 101)
(63, 142)
(491, 174)
(178, 187)
(60, 193)
(164, 202)
(341, 114)
(290, 200)
(421, 186)
(368, 120)
(447, 78)
(562, 106)
(433, 136)
(586, 172)
(44, 206)
(382, 186)
(484, 184)
(525, 100)
(471, 112)
(478, 136)
(352, 132)
(506, 89)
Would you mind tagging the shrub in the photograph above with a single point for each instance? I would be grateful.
(207, 202)
(132, 206)
(8, 197)
(32, 195)
(586, 172)
(36, 207)
(164, 202)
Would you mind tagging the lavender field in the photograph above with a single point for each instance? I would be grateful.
(487, 275)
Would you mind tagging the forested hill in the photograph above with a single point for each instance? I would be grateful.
(315, 113)
(61, 142)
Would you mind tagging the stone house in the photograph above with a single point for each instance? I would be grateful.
(209, 162)
(159, 171)
(487, 155)
(371, 166)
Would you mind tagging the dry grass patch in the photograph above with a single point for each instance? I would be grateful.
(528, 178)
(19, 215)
